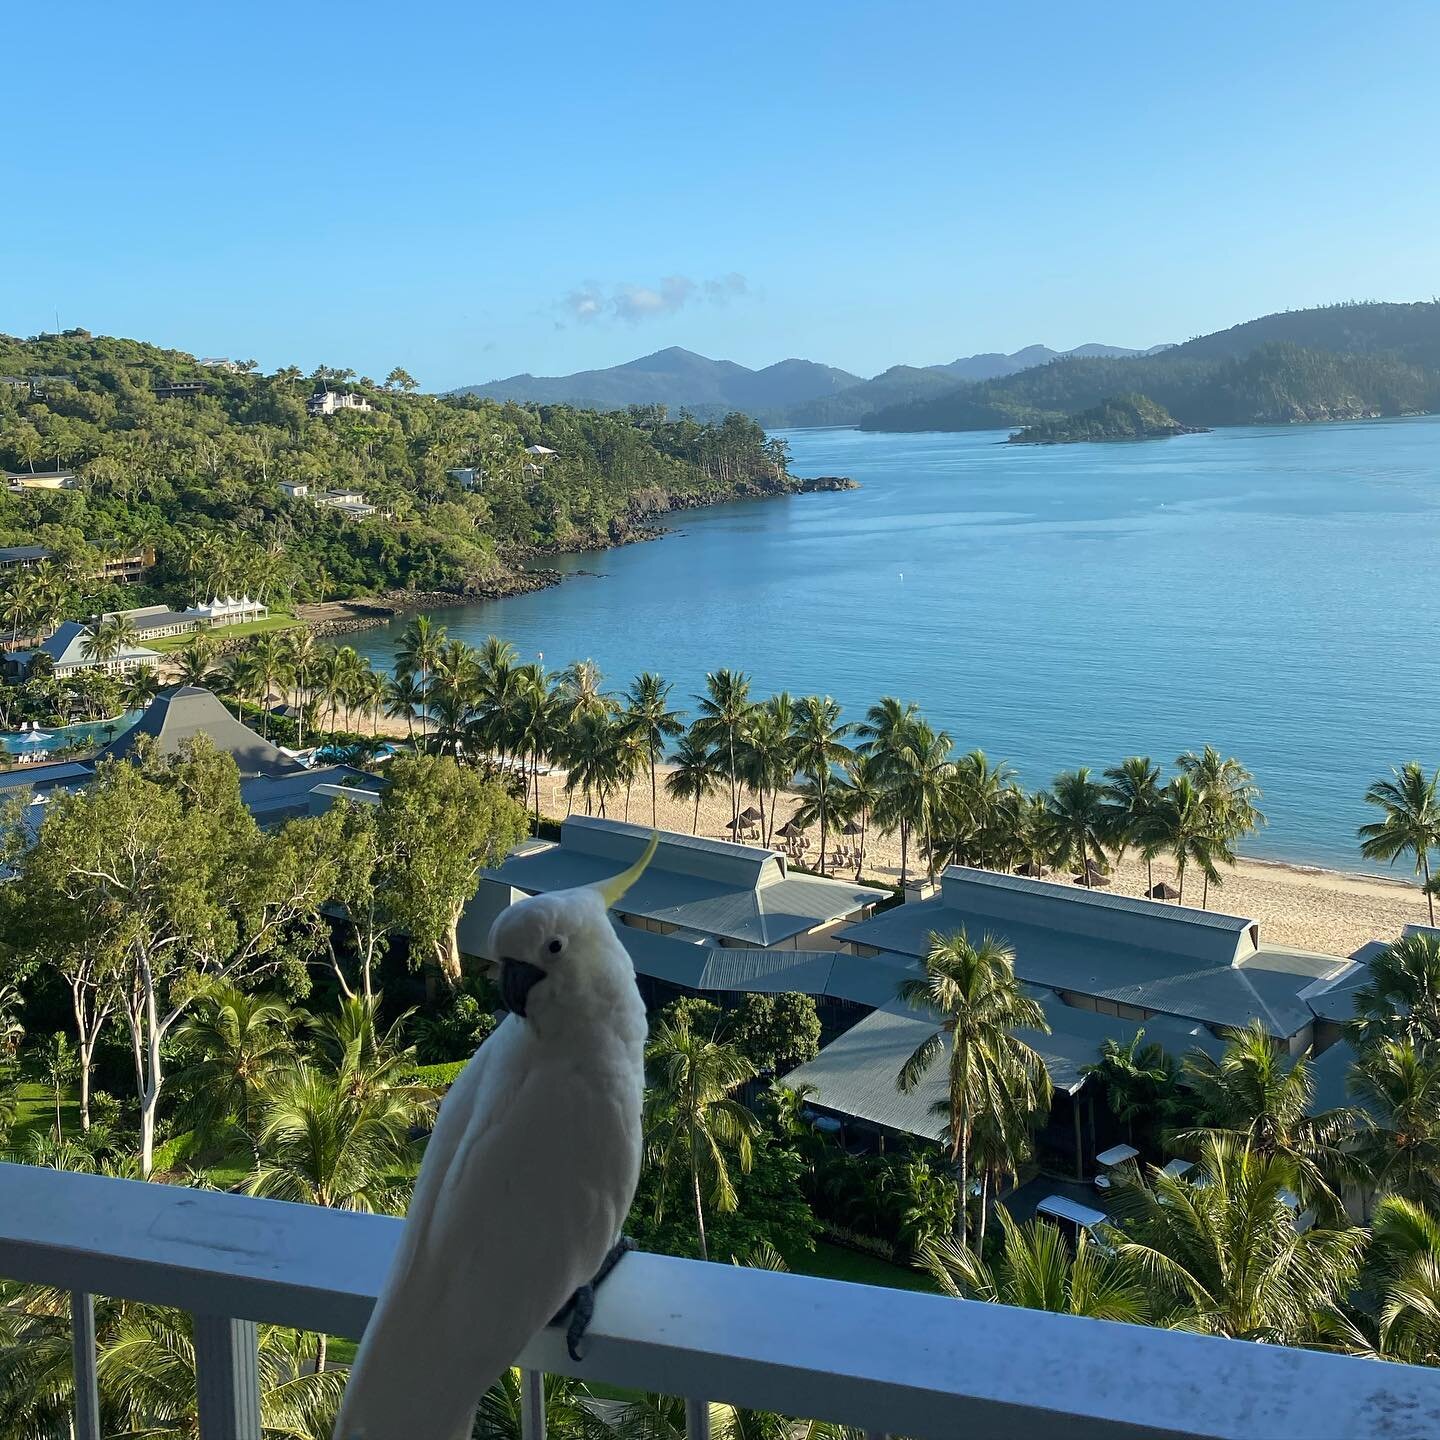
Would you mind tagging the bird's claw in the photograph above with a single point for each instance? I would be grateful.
(580, 1307)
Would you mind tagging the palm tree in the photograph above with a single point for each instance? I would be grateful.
(593, 753)
(403, 697)
(881, 732)
(1037, 1270)
(695, 774)
(724, 708)
(1132, 797)
(301, 650)
(692, 1118)
(1183, 828)
(1224, 1251)
(1229, 793)
(238, 1044)
(818, 746)
(1397, 1084)
(1079, 822)
(1404, 1260)
(113, 634)
(766, 755)
(1139, 1080)
(1401, 997)
(141, 687)
(1263, 1098)
(1411, 824)
(648, 713)
(330, 678)
(567, 1417)
(195, 662)
(270, 664)
(857, 794)
(418, 649)
(536, 723)
(978, 1004)
(145, 1366)
(915, 770)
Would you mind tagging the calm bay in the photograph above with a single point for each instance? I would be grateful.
(1268, 591)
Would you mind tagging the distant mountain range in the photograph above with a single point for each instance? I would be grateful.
(1337, 362)
(791, 392)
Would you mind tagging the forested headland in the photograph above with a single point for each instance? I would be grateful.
(196, 473)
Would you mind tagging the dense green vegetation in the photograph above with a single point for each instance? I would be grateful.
(197, 477)
(1276, 384)
(1126, 417)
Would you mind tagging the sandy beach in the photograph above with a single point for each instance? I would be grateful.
(1311, 908)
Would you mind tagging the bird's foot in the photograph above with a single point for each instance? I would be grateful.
(580, 1307)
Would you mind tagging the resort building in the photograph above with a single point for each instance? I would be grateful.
(327, 402)
(294, 489)
(22, 557)
(181, 390)
(155, 622)
(42, 480)
(273, 784)
(134, 566)
(68, 652)
(348, 502)
(1114, 955)
(470, 477)
(695, 892)
(542, 453)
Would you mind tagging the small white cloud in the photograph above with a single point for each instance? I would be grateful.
(634, 303)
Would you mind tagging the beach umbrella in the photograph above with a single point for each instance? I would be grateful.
(751, 814)
(852, 828)
(1092, 875)
(1163, 891)
(740, 823)
(1030, 870)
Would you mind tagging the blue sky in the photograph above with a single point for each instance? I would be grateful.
(472, 191)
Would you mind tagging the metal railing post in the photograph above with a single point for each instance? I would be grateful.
(532, 1405)
(227, 1379)
(82, 1341)
(697, 1419)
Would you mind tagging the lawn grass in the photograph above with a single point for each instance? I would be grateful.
(277, 620)
(35, 1114)
(836, 1262)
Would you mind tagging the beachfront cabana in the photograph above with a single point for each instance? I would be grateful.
(1163, 891)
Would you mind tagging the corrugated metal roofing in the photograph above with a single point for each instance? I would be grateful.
(180, 714)
(70, 773)
(702, 885)
(856, 1074)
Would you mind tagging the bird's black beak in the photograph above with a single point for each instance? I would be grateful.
(517, 979)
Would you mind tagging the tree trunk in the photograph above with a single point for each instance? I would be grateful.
(1429, 898)
(984, 1211)
(654, 804)
(59, 1129)
(695, 826)
(320, 1342)
(699, 1208)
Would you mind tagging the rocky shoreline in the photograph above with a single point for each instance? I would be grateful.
(348, 617)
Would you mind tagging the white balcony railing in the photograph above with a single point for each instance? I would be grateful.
(886, 1361)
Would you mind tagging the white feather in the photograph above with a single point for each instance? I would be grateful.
(525, 1185)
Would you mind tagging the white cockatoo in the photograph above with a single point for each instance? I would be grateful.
(527, 1179)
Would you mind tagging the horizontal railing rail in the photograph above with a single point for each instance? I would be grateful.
(886, 1361)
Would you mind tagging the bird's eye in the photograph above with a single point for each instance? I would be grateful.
(555, 946)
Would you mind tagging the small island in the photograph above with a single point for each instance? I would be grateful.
(1125, 417)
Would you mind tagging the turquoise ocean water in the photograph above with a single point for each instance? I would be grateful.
(1269, 591)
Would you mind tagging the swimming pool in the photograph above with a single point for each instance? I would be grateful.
(57, 737)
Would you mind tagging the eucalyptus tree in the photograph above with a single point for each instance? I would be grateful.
(818, 746)
(724, 709)
(1411, 823)
(1079, 823)
(649, 714)
(977, 1003)
(695, 774)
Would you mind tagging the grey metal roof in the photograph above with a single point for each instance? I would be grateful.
(1144, 953)
(18, 554)
(273, 799)
(25, 778)
(180, 714)
(735, 892)
(855, 1075)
